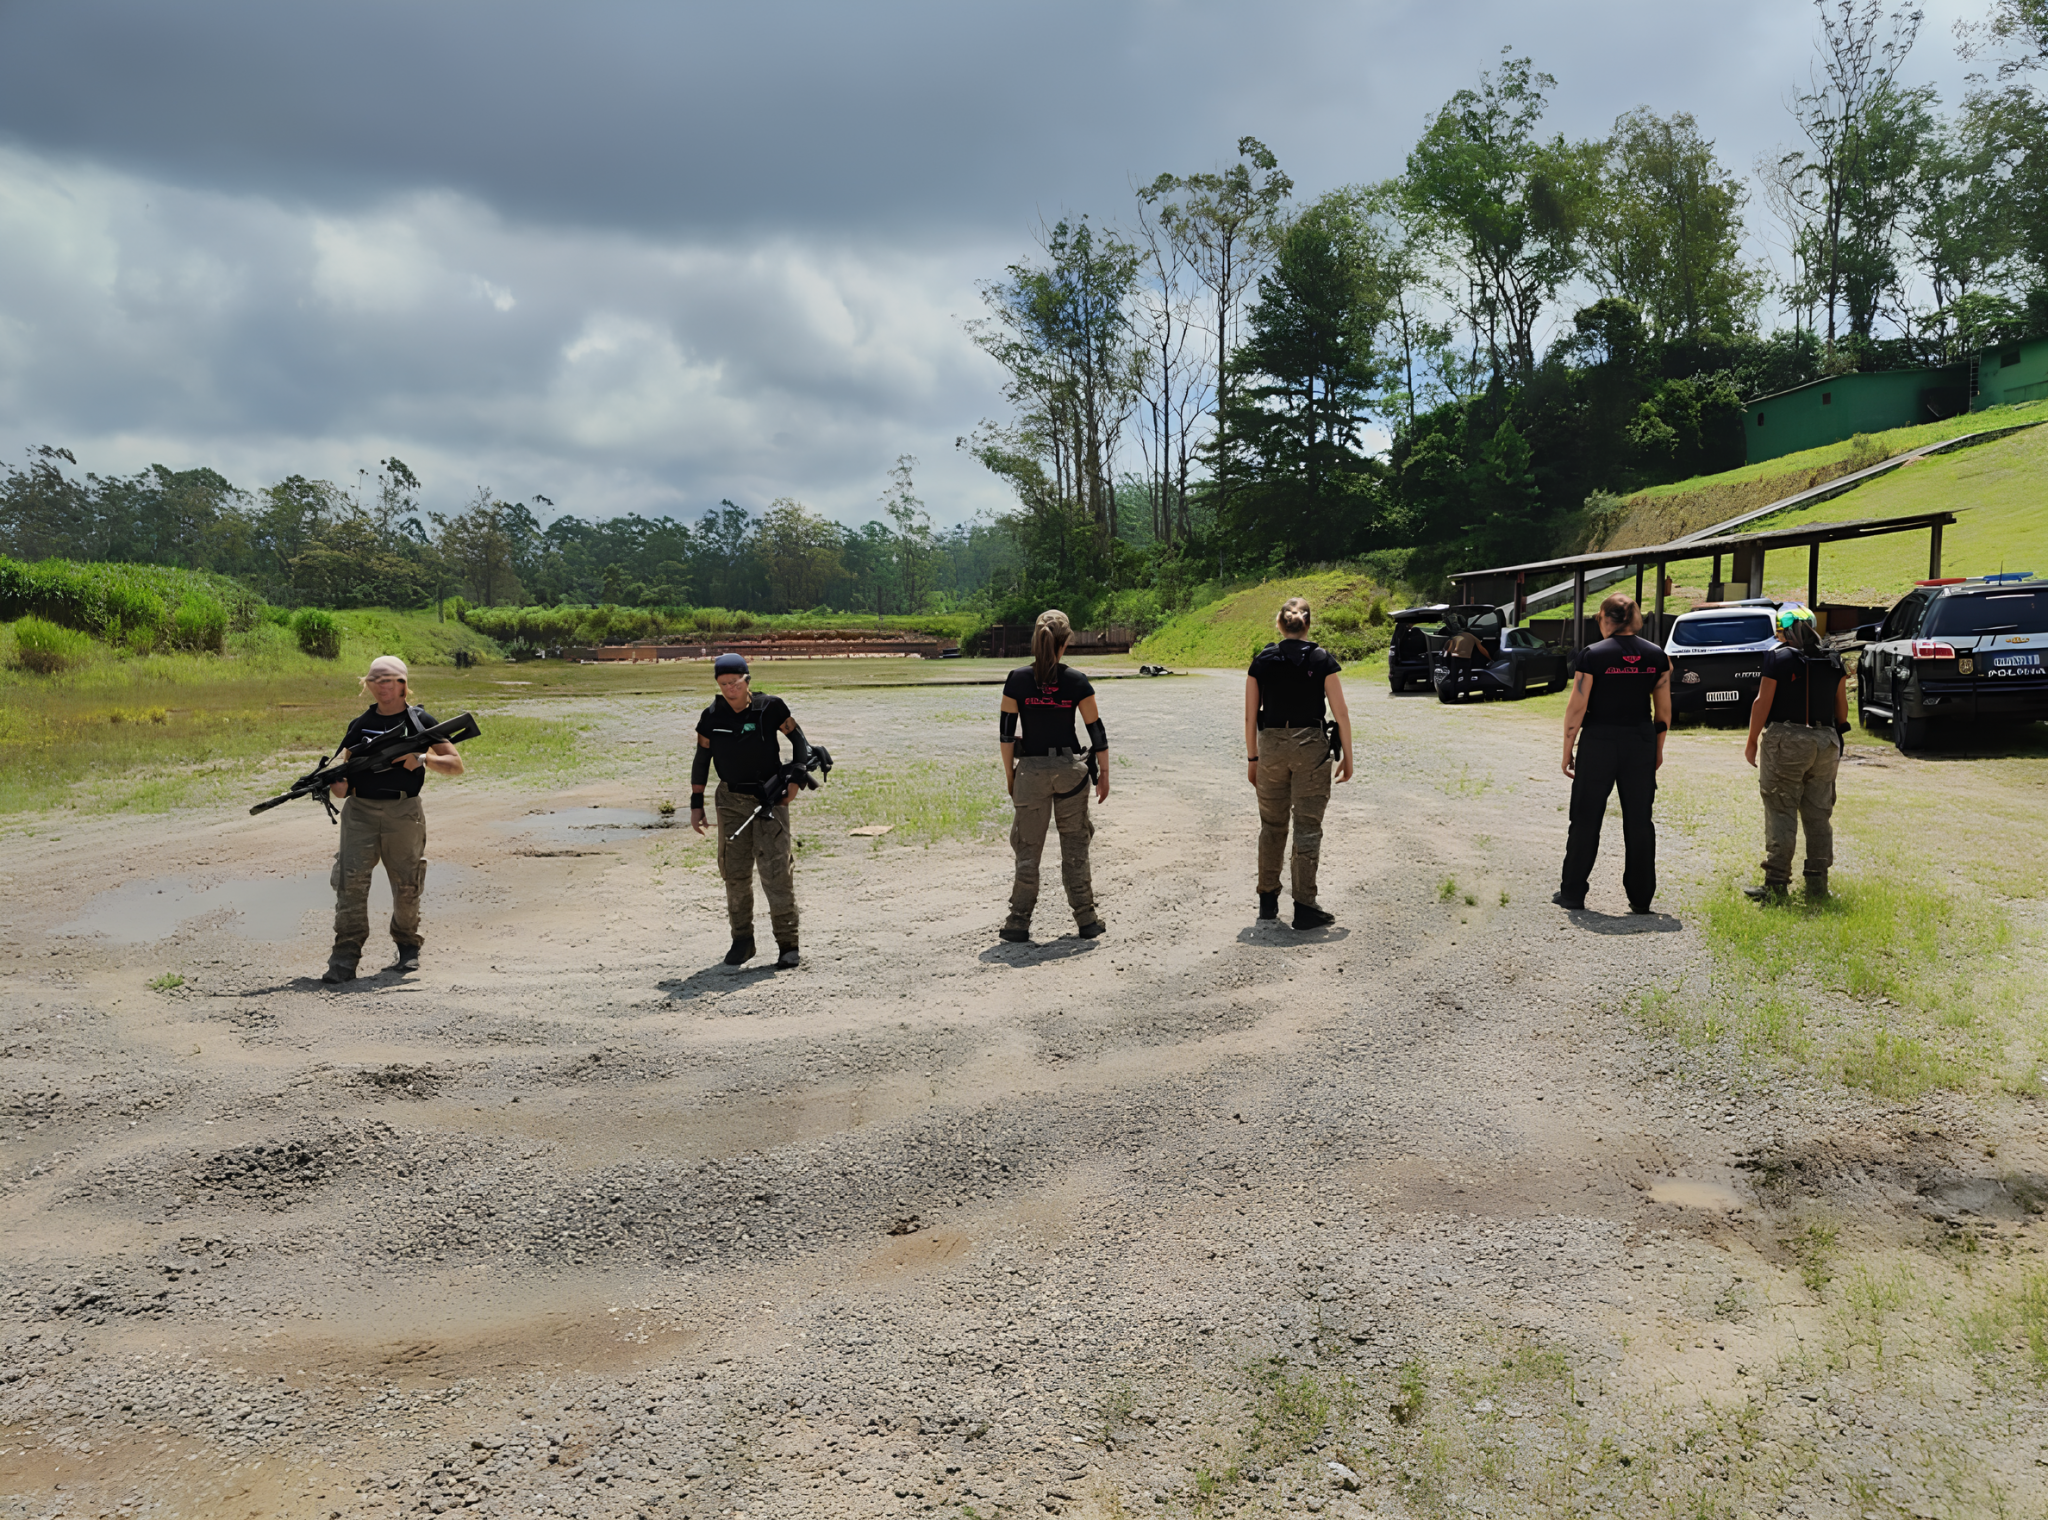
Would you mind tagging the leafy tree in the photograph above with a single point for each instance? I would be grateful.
(800, 552)
(1225, 225)
(1668, 231)
(1505, 208)
(1849, 188)
(1295, 476)
(1062, 330)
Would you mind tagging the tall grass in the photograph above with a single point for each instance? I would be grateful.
(543, 627)
(135, 607)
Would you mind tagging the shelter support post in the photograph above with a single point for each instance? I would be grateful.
(1714, 583)
(1521, 596)
(1658, 632)
(1756, 571)
(1639, 583)
(1578, 610)
(1934, 552)
(1813, 574)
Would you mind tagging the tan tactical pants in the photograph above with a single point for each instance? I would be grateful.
(1294, 781)
(1041, 781)
(765, 845)
(394, 832)
(1795, 772)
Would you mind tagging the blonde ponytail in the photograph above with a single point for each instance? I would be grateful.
(1049, 637)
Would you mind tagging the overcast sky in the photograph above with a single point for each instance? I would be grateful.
(642, 256)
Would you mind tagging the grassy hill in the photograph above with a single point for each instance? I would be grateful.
(1662, 513)
(1998, 490)
(1226, 633)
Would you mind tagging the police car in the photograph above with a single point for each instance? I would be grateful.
(1953, 650)
(1717, 656)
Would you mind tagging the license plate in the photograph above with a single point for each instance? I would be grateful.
(1724, 696)
(2030, 657)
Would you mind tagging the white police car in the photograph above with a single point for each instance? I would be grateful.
(1717, 656)
(1954, 650)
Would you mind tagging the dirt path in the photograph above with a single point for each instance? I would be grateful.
(576, 1221)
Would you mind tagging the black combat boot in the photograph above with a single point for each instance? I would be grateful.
(788, 959)
(1093, 929)
(741, 952)
(1769, 892)
(1015, 932)
(1269, 905)
(1816, 884)
(1569, 904)
(335, 974)
(1309, 916)
(408, 958)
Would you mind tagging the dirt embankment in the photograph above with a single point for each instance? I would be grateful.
(1399, 1217)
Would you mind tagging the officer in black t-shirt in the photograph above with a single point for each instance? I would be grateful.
(737, 733)
(1619, 713)
(383, 822)
(1047, 772)
(1796, 725)
(1288, 757)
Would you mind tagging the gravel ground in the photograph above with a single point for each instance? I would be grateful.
(1404, 1216)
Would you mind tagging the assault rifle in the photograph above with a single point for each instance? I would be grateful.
(382, 755)
(773, 790)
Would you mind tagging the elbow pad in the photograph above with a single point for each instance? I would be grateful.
(700, 769)
(799, 746)
(1098, 738)
(1007, 727)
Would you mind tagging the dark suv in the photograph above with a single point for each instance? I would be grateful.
(1955, 650)
(1420, 634)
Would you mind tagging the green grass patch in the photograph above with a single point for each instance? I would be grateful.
(1226, 633)
(1994, 488)
(921, 799)
(1661, 513)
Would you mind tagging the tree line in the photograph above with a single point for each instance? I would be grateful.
(1533, 323)
(312, 543)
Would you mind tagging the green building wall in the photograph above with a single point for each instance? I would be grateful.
(1841, 406)
(2015, 373)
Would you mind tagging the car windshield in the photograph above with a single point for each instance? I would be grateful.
(1989, 612)
(1729, 628)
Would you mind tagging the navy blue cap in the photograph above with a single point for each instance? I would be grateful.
(729, 665)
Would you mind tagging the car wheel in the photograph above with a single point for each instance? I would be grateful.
(1909, 733)
(1863, 715)
(1444, 688)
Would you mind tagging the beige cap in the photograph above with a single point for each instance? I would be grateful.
(388, 665)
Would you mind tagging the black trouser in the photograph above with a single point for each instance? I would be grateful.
(1610, 757)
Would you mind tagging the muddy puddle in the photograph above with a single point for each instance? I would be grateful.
(1696, 1193)
(271, 908)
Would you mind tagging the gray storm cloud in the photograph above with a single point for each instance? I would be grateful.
(643, 256)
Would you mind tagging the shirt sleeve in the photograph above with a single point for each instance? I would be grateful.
(775, 712)
(429, 719)
(1582, 662)
(1326, 663)
(1079, 687)
(1013, 685)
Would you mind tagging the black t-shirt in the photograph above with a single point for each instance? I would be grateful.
(1047, 721)
(1290, 676)
(1625, 669)
(394, 781)
(1806, 686)
(743, 743)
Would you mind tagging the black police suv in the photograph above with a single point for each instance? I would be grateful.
(1955, 650)
(1717, 656)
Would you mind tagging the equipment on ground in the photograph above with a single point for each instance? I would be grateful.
(775, 788)
(383, 755)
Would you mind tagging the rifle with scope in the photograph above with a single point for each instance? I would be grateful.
(381, 756)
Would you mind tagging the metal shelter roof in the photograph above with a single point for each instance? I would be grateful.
(1681, 549)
